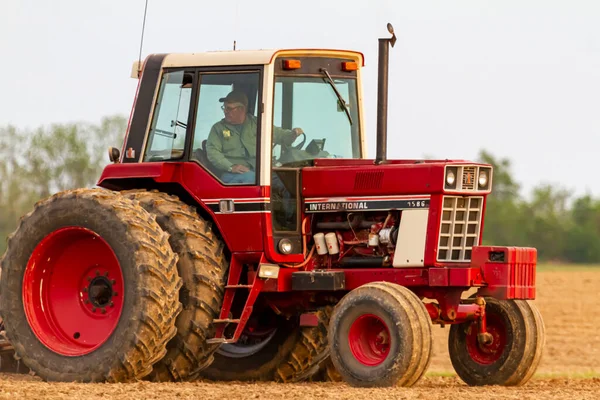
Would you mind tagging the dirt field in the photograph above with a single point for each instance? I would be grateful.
(565, 299)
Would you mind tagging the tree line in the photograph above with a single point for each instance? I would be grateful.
(37, 163)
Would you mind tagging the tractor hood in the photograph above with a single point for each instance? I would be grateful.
(360, 177)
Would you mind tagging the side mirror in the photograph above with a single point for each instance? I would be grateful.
(114, 155)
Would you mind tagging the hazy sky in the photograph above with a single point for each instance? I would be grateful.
(520, 79)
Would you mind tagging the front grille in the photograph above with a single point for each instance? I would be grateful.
(468, 178)
(459, 228)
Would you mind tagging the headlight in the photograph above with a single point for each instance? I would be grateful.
(450, 178)
(285, 246)
(483, 178)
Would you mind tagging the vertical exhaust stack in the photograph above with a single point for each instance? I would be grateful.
(382, 95)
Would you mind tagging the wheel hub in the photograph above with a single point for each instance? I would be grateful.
(369, 340)
(487, 349)
(99, 293)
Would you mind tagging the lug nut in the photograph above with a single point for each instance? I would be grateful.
(112, 281)
(103, 310)
(85, 290)
(87, 302)
(112, 304)
(97, 273)
(89, 278)
(114, 293)
(93, 309)
(106, 273)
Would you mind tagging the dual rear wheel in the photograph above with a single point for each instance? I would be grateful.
(89, 289)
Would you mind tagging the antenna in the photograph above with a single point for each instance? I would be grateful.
(234, 45)
(142, 40)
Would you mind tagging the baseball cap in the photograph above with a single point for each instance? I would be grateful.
(235, 97)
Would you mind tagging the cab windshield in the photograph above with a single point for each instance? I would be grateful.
(331, 128)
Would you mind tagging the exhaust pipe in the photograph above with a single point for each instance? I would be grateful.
(382, 95)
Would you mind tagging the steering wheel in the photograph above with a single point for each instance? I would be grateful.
(299, 146)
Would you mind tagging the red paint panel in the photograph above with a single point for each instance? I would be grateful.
(204, 185)
(397, 179)
(464, 276)
(328, 162)
(405, 277)
(433, 229)
(438, 277)
(126, 171)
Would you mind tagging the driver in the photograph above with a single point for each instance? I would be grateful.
(231, 144)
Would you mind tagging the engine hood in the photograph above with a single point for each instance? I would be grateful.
(345, 177)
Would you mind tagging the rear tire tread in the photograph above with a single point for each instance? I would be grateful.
(309, 353)
(202, 266)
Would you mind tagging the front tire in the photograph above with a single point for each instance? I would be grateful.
(89, 288)
(380, 335)
(513, 356)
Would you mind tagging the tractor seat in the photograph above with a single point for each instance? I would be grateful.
(200, 155)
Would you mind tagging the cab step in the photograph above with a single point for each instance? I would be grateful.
(219, 340)
(226, 320)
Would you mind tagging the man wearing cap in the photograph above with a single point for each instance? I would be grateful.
(231, 143)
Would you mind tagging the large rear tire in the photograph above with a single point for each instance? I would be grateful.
(290, 354)
(310, 352)
(202, 267)
(89, 288)
(255, 358)
(380, 335)
(511, 359)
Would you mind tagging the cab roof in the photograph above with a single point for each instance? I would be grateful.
(251, 57)
(243, 57)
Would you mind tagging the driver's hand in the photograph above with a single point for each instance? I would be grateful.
(239, 169)
(298, 131)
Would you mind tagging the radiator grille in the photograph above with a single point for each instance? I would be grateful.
(459, 228)
(468, 178)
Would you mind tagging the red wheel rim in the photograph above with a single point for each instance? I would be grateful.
(487, 354)
(369, 339)
(73, 291)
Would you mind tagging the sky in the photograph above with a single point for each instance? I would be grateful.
(520, 79)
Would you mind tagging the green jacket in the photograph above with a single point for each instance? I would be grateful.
(229, 144)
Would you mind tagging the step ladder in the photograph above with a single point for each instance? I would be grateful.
(253, 289)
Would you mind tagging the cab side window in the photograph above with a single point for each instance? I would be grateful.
(166, 139)
(226, 127)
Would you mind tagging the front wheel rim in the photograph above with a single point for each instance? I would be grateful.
(369, 340)
(73, 291)
(487, 354)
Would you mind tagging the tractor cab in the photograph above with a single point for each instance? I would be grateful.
(289, 107)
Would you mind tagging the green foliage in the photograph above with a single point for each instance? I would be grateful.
(36, 164)
(559, 232)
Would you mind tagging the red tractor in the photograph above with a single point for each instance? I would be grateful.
(224, 250)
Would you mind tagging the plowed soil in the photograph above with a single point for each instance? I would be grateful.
(570, 367)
